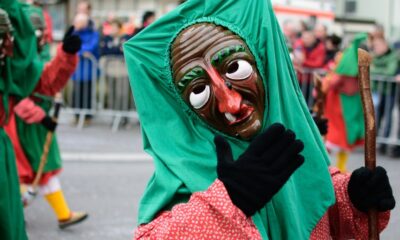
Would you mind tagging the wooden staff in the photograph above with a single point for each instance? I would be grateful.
(364, 62)
(320, 97)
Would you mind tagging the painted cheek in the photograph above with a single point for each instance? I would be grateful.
(229, 101)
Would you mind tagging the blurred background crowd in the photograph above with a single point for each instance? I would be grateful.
(316, 31)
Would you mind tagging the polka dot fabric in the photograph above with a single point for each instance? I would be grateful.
(207, 215)
(211, 215)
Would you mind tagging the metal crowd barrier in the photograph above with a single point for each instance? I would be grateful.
(385, 92)
(100, 88)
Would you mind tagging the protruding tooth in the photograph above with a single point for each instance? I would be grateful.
(230, 117)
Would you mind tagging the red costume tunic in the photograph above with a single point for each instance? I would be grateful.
(55, 76)
(212, 215)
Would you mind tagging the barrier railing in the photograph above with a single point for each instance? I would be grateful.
(100, 88)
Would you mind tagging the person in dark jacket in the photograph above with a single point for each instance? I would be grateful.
(86, 73)
(112, 44)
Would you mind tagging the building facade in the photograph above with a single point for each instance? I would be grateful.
(385, 12)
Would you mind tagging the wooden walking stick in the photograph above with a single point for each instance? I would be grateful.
(33, 189)
(320, 97)
(364, 62)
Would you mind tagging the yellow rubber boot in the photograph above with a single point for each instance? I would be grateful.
(59, 205)
(342, 159)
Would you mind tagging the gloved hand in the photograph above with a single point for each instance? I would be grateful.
(49, 124)
(371, 189)
(71, 43)
(322, 124)
(262, 170)
(28, 111)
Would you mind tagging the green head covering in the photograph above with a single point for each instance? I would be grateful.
(182, 144)
(25, 66)
(348, 65)
(5, 24)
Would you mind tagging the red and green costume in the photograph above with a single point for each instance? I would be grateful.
(343, 106)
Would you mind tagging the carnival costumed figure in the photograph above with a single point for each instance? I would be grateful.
(29, 78)
(29, 127)
(12, 225)
(343, 106)
(236, 152)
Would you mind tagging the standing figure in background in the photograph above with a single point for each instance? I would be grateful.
(129, 27)
(85, 75)
(343, 107)
(384, 65)
(112, 43)
(28, 128)
(309, 55)
(321, 32)
(332, 45)
(148, 18)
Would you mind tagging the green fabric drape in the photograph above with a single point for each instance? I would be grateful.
(12, 225)
(25, 66)
(182, 144)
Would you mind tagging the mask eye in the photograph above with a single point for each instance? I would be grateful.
(199, 96)
(239, 70)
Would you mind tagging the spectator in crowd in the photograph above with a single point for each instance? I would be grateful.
(321, 32)
(148, 18)
(83, 77)
(332, 45)
(85, 7)
(106, 28)
(291, 34)
(129, 27)
(112, 43)
(313, 51)
(396, 150)
(309, 55)
(385, 64)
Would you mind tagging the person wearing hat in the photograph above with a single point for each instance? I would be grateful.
(25, 73)
(28, 136)
(237, 154)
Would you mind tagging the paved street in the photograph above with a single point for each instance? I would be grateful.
(110, 189)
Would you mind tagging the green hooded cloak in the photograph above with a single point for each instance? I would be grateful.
(33, 136)
(25, 65)
(182, 144)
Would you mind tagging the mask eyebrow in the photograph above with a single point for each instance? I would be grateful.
(190, 76)
(226, 52)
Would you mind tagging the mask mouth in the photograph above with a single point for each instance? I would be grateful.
(235, 119)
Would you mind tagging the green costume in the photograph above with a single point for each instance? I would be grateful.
(33, 136)
(12, 225)
(182, 144)
(351, 104)
(24, 65)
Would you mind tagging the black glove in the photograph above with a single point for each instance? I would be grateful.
(71, 43)
(371, 190)
(262, 170)
(322, 124)
(49, 124)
